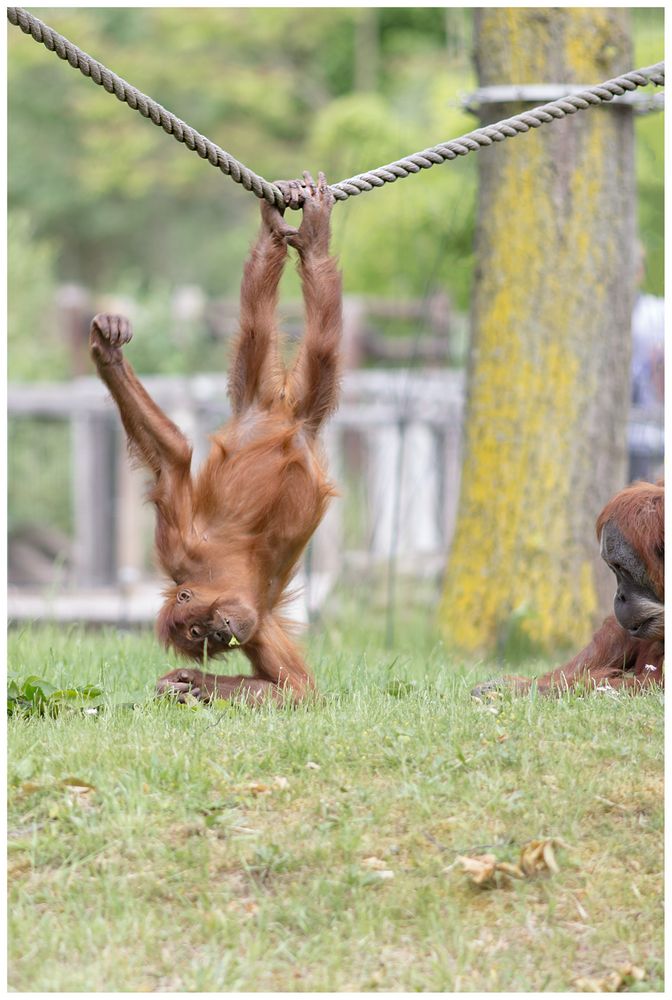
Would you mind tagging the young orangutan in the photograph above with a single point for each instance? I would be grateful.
(230, 537)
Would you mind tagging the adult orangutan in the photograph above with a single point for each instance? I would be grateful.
(629, 649)
(231, 536)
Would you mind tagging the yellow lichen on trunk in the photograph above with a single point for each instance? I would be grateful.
(547, 260)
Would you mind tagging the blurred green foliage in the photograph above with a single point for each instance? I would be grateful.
(648, 39)
(102, 198)
(32, 342)
(39, 479)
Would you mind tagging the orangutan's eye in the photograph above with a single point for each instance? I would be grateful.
(184, 596)
(195, 632)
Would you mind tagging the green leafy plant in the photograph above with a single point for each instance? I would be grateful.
(33, 695)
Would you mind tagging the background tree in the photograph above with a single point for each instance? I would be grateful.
(549, 365)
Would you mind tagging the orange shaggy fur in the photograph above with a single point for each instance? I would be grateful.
(230, 537)
(613, 656)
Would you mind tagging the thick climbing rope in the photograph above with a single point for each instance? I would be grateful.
(506, 129)
(148, 108)
(413, 164)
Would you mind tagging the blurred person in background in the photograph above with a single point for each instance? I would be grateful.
(645, 430)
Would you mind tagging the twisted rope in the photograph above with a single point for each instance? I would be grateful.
(148, 108)
(506, 129)
(272, 193)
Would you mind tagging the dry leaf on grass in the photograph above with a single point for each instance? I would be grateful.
(244, 907)
(75, 786)
(378, 867)
(538, 856)
(78, 792)
(261, 788)
(613, 982)
(258, 788)
(374, 863)
(18, 866)
(486, 871)
(30, 788)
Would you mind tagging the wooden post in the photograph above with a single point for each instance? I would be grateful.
(324, 561)
(75, 314)
(131, 528)
(93, 461)
(354, 322)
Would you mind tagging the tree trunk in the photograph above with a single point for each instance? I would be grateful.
(545, 437)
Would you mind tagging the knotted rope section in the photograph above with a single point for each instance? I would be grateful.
(413, 164)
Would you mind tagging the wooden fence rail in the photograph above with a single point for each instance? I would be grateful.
(393, 448)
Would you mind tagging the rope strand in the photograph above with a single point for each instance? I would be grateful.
(508, 128)
(413, 164)
(148, 108)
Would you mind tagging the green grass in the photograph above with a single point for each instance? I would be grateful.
(213, 855)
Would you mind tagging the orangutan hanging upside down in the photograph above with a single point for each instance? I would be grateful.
(629, 649)
(230, 537)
